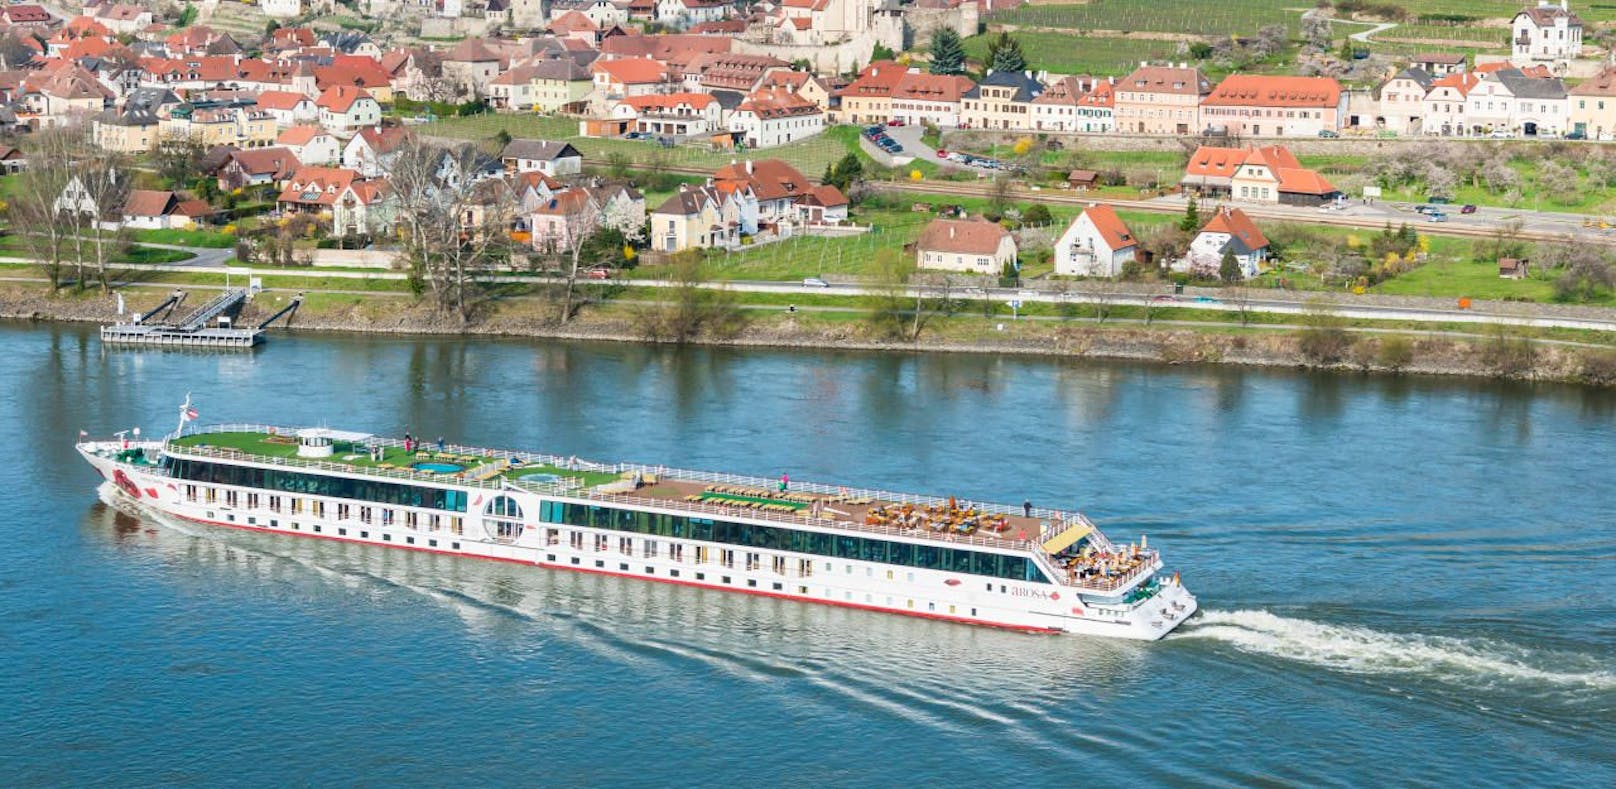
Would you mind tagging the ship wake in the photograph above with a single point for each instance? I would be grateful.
(1361, 650)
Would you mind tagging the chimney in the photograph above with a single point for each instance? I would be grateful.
(748, 166)
(950, 231)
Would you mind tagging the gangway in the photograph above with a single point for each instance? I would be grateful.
(212, 309)
(286, 310)
(171, 303)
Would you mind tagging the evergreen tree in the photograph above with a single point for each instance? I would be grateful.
(947, 52)
(1229, 268)
(845, 174)
(1192, 217)
(1004, 54)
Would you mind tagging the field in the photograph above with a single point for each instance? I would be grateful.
(1483, 36)
(1498, 9)
(810, 156)
(1190, 17)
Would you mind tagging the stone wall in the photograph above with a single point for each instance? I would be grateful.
(920, 23)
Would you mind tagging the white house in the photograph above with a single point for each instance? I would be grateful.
(311, 144)
(671, 114)
(1402, 101)
(344, 109)
(771, 117)
(1230, 230)
(1547, 33)
(281, 9)
(971, 246)
(1097, 244)
(1508, 100)
(289, 108)
(555, 159)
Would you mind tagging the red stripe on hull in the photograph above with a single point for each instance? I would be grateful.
(617, 574)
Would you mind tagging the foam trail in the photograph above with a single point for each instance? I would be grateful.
(1361, 650)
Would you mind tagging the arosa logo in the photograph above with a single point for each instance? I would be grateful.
(1041, 595)
(122, 480)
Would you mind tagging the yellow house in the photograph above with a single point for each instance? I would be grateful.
(1003, 100)
(868, 99)
(1593, 106)
(1160, 100)
(238, 126)
(135, 130)
(557, 83)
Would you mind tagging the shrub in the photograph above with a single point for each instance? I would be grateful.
(1324, 345)
(1599, 368)
(1508, 357)
(1395, 353)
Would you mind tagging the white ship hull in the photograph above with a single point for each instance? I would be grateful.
(876, 586)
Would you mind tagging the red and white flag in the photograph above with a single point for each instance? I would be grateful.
(190, 414)
(84, 434)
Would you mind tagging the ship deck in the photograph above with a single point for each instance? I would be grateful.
(949, 519)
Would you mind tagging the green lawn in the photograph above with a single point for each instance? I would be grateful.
(187, 238)
(1464, 278)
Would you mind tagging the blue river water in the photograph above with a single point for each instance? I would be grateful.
(1404, 581)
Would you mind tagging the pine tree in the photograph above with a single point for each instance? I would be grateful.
(1004, 54)
(947, 52)
(1192, 217)
(1229, 268)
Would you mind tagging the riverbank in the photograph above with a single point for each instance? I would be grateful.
(1501, 355)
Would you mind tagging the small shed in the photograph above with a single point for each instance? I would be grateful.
(1513, 268)
(1083, 180)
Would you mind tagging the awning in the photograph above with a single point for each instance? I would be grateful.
(1065, 539)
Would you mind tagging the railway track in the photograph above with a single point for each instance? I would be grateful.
(1307, 216)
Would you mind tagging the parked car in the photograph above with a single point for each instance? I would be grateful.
(1328, 134)
(1424, 209)
(872, 130)
(815, 282)
(1502, 134)
(1163, 298)
(942, 154)
(1439, 200)
(1467, 208)
(1205, 300)
(895, 122)
(1576, 134)
(1436, 216)
(599, 272)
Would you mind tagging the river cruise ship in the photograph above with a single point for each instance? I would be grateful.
(928, 556)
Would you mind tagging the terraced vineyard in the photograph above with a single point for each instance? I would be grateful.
(1064, 54)
(1194, 17)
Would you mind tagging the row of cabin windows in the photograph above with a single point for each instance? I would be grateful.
(384, 516)
(842, 546)
(372, 490)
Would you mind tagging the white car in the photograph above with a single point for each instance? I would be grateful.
(815, 282)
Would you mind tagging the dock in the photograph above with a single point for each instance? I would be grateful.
(194, 331)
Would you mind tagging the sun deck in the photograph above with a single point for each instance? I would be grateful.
(1053, 536)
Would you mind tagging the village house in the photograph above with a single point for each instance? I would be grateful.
(148, 209)
(695, 217)
(619, 79)
(1438, 64)
(582, 210)
(558, 84)
(1593, 106)
(1056, 109)
(372, 150)
(1546, 33)
(868, 99)
(1096, 110)
(123, 18)
(929, 98)
(311, 144)
(31, 16)
(771, 117)
(241, 126)
(1255, 175)
(313, 190)
(973, 246)
(471, 65)
(1161, 100)
(1402, 101)
(1096, 244)
(1259, 105)
(1232, 231)
(344, 110)
(257, 167)
(823, 205)
(289, 108)
(364, 207)
(1445, 104)
(1002, 100)
(135, 130)
(1510, 101)
(671, 114)
(777, 188)
(554, 159)
(1514, 268)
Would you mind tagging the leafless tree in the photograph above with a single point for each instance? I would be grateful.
(1102, 293)
(33, 209)
(455, 226)
(91, 210)
(1240, 297)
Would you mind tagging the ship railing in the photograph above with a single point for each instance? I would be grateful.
(1150, 564)
(822, 523)
(713, 478)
